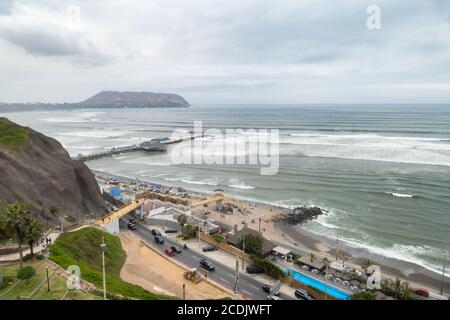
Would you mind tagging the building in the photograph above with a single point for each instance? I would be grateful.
(114, 192)
(235, 238)
(314, 263)
(281, 252)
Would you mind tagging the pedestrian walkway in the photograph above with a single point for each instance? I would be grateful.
(15, 256)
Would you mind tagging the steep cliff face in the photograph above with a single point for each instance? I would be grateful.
(38, 171)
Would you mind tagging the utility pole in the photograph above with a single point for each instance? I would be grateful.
(103, 247)
(243, 249)
(337, 245)
(199, 232)
(48, 279)
(443, 273)
(236, 277)
(259, 225)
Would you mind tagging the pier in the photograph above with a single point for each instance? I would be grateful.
(154, 145)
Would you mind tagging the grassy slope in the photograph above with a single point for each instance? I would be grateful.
(12, 136)
(84, 246)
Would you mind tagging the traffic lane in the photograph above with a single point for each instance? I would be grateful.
(191, 258)
(223, 274)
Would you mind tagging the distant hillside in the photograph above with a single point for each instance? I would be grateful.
(135, 99)
(107, 99)
(38, 171)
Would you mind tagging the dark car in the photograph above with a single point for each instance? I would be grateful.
(176, 249)
(133, 220)
(302, 294)
(252, 269)
(156, 232)
(267, 288)
(208, 265)
(159, 240)
(131, 226)
(210, 248)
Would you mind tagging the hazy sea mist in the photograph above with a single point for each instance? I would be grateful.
(383, 172)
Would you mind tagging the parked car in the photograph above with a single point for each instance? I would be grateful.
(422, 292)
(169, 252)
(267, 288)
(273, 297)
(302, 294)
(176, 249)
(252, 269)
(208, 265)
(131, 226)
(159, 240)
(132, 220)
(210, 248)
(156, 232)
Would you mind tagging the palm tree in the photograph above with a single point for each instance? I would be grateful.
(15, 216)
(33, 232)
(326, 262)
(182, 219)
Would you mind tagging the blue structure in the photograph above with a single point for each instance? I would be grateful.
(322, 286)
(114, 192)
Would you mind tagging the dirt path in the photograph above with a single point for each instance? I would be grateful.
(148, 269)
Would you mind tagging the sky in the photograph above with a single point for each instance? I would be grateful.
(211, 52)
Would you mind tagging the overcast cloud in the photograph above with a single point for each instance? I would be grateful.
(286, 51)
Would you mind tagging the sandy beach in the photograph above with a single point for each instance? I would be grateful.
(259, 216)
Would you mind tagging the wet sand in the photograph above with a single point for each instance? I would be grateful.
(306, 241)
(415, 274)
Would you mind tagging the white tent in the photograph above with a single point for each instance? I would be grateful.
(280, 251)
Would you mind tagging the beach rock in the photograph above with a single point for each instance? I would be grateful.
(38, 171)
(299, 215)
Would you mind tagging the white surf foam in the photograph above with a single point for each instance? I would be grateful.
(199, 182)
(401, 195)
(241, 186)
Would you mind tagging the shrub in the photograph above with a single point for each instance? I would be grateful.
(26, 273)
(71, 219)
(40, 256)
(218, 238)
(189, 231)
(27, 257)
(270, 268)
(368, 295)
(251, 244)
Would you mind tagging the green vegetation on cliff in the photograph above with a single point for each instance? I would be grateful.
(12, 136)
(82, 248)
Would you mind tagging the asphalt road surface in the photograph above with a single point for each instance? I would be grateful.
(223, 274)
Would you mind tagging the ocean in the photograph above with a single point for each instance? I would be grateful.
(381, 171)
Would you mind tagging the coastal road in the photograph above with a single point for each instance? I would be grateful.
(223, 275)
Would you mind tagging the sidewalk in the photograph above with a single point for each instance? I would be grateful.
(15, 256)
(229, 260)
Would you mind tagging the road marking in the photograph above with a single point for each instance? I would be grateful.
(226, 281)
(256, 288)
(247, 293)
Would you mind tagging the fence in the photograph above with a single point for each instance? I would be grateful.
(225, 247)
(312, 292)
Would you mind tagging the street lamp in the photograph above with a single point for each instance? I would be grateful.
(103, 248)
